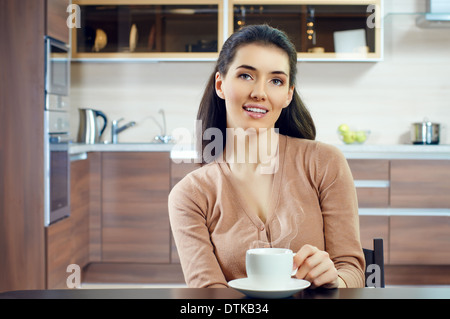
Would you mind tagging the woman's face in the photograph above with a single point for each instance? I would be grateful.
(256, 86)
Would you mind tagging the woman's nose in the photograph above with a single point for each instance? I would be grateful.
(258, 92)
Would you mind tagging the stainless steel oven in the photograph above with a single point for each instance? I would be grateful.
(56, 132)
(56, 166)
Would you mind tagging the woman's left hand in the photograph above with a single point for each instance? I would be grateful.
(316, 266)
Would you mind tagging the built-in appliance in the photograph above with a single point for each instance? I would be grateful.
(56, 131)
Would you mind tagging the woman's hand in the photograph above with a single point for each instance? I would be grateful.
(316, 266)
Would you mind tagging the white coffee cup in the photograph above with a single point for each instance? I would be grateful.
(269, 268)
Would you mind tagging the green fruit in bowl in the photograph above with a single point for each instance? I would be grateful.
(360, 136)
(349, 137)
(343, 128)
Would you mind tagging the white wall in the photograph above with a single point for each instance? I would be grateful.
(136, 91)
(385, 97)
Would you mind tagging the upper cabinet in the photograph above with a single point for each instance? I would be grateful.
(56, 20)
(149, 29)
(333, 30)
(320, 30)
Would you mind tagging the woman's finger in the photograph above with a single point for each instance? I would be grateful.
(328, 279)
(315, 266)
(322, 265)
(305, 260)
(303, 254)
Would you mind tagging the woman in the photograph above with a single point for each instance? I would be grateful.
(301, 196)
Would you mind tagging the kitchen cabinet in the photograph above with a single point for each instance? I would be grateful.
(411, 183)
(95, 206)
(68, 240)
(375, 227)
(371, 181)
(149, 29)
(403, 195)
(344, 30)
(320, 30)
(59, 253)
(177, 172)
(129, 237)
(420, 183)
(420, 240)
(135, 222)
(56, 20)
(409, 240)
(23, 26)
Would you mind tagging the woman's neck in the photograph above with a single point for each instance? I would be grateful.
(251, 149)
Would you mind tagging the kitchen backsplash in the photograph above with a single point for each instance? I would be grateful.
(410, 84)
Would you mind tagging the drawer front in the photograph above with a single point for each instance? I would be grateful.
(179, 170)
(368, 169)
(369, 197)
(420, 183)
(420, 240)
(375, 227)
(371, 181)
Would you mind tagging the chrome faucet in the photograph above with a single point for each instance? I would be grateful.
(163, 138)
(115, 130)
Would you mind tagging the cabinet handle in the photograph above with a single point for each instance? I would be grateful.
(361, 183)
(78, 157)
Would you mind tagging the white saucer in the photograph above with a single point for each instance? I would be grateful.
(293, 286)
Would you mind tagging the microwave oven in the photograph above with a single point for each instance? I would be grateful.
(57, 67)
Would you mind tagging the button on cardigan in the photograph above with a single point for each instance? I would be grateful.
(313, 202)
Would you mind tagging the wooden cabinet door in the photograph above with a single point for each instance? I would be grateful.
(56, 19)
(135, 221)
(375, 227)
(59, 253)
(166, 32)
(420, 183)
(177, 172)
(67, 240)
(22, 239)
(371, 181)
(420, 240)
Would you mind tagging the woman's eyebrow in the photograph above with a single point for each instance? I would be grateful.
(245, 66)
(249, 67)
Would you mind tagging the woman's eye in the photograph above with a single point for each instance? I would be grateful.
(245, 76)
(277, 82)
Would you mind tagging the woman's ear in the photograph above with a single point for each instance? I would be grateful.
(218, 86)
(290, 95)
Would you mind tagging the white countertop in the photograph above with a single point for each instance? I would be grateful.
(76, 148)
(400, 151)
(361, 151)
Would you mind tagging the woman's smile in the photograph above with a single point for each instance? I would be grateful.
(255, 111)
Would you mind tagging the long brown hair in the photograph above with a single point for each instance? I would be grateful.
(295, 120)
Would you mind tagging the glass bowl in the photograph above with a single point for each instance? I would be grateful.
(354, 136)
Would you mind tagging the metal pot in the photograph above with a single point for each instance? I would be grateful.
(425, 133)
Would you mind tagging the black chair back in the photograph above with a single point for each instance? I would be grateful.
(373, 257)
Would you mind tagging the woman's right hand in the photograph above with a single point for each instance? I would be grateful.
(315, 266)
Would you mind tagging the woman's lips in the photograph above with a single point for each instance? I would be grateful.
(255, 112)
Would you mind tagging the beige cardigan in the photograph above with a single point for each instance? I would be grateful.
(313, 202)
